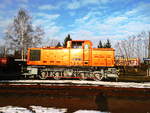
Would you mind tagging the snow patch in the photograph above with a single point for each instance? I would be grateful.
(88, 111)
(40, 109)
(10, 109)
(33, 109)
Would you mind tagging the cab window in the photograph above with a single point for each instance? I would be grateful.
(86, 46)
(77, 44)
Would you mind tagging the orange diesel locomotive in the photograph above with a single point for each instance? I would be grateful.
(77, 60)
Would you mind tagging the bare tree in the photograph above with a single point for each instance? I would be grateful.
(53, 42)
(134, 46)
(4, 48)
(22, 35)
(3, 51)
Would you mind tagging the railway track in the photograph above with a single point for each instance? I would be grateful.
(76, 83)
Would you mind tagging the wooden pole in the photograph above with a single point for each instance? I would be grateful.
(149, 47)
(148, 69)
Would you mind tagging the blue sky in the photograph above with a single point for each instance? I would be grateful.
(84, 19)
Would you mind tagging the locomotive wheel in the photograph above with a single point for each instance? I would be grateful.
(43, 75)
(82, 76)
(68, 72)
(98, 76)
(57, 75)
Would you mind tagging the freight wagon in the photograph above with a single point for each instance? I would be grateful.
(129, 62)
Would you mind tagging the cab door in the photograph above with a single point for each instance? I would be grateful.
(86, 55)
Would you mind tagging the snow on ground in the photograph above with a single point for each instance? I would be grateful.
(89, 111)
(33, 109)
(40, 109)
(10, 109)
(77, 82)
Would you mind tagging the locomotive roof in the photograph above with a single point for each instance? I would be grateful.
(104, 49)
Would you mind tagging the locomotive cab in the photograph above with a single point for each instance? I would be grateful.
(80, 52)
